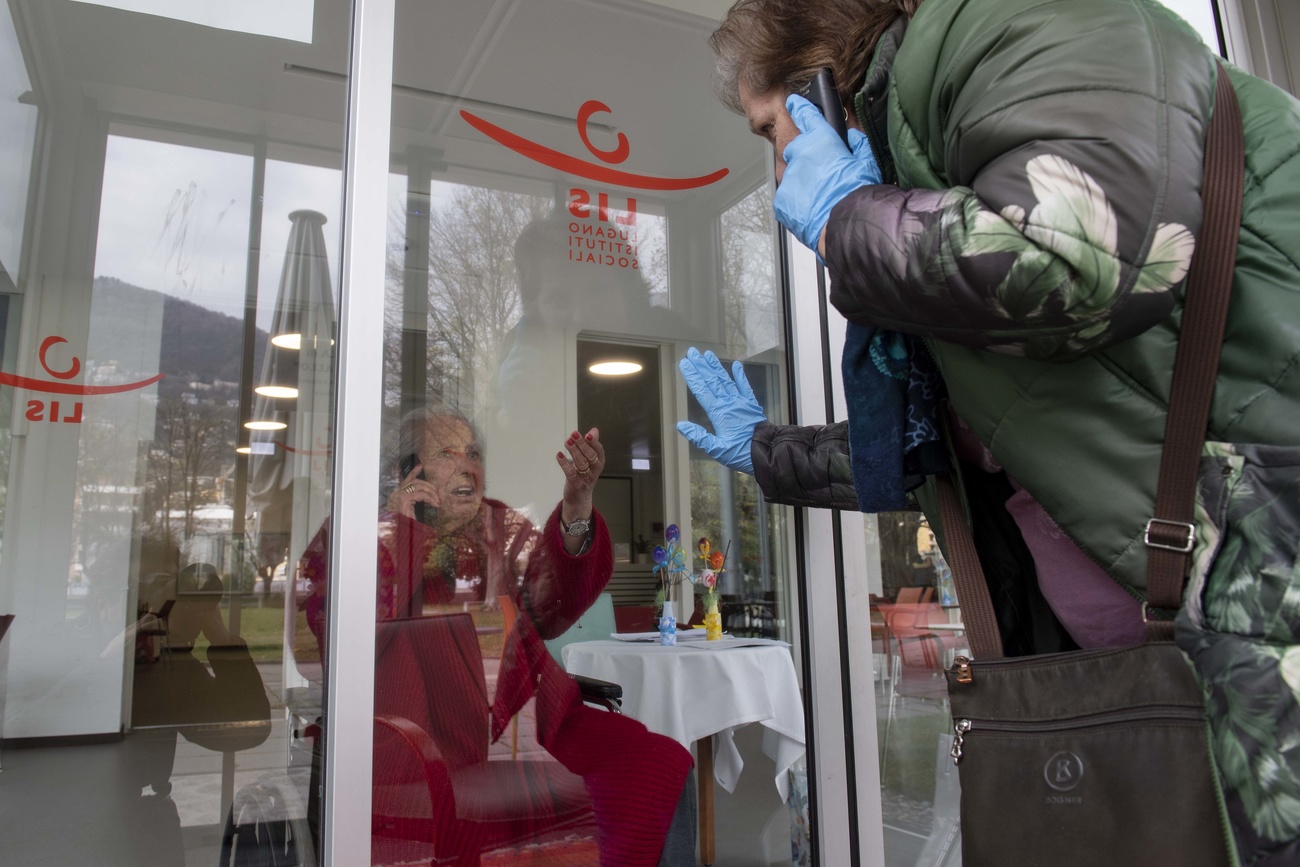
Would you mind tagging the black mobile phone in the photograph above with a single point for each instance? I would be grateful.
(408, 464)
(823, 94)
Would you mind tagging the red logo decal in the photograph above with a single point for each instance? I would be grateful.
(314, 453)
(32, 384)
(581, 168)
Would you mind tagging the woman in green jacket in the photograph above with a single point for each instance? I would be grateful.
(1008, 235)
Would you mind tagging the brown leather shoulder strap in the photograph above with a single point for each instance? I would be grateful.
(1170, 532)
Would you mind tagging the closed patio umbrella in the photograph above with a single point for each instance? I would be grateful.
(289, 465)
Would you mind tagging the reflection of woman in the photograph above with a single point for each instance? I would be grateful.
(467, 547)
(479, 542)
(559, 293)
(441, 540)
(203, 696)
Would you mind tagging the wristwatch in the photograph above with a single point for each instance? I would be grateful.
(580, 527)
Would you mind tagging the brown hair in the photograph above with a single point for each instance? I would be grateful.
(773, 44)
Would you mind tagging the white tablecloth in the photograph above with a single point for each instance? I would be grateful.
(691, 691)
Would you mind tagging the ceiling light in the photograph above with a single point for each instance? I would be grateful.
(244, 450)
(287, 341)
(276, 391)
(615, 368)
(265, 425)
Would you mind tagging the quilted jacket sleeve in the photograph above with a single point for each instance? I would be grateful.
(804, 465)
(1049, 161)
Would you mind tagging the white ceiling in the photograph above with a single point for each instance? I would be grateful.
(646, 59)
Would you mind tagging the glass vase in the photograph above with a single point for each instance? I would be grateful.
(712, 622)
(668, 619)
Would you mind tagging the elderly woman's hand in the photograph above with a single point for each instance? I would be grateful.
(411, 491)
(581, 469)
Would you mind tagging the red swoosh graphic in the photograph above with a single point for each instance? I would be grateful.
(71, 388)
(574, 166)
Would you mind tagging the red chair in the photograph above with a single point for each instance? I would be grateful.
(437, 798)
(908, 595)
(907, 622)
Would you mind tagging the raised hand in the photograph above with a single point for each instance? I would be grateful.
(730, 404)
(582, 468)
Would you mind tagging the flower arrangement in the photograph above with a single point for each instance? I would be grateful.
(670, 566)
(715, 563)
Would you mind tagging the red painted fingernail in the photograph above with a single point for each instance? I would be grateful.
(560, 455)
(588, 437)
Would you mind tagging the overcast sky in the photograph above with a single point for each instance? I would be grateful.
(175, 219)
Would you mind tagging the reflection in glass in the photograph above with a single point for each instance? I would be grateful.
(17, 146)
(915, 635)
(513, 269)
(144, 676)
(447, 553)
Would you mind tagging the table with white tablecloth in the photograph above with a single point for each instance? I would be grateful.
(700, 692)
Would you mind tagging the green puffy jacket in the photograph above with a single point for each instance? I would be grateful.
(1042, 196)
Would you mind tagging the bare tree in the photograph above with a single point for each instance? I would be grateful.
(473, 291)
(193, 441)
(749, 290)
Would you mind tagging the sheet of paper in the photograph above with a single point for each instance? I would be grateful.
(694, 637)
(682, 635)
(729, 641)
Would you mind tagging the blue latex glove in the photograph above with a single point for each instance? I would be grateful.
(730, 404)
(819, 172)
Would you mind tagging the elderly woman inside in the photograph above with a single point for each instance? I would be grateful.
(441, 541)
(456, 539)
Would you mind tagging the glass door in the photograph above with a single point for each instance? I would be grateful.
(570, 211)
(169, 262)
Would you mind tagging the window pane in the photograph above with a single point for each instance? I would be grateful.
(166, 456)
(563, 200)
(916, 633)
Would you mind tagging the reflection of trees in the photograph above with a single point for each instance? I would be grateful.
(104, 492)
(749, 291)
(473, 293)
(744, 560)
(898, 554)
(193, 445)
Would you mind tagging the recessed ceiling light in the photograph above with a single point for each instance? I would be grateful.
(276, 391)
(287, 341)
(265, 425)
(615, 368)
(244, 450)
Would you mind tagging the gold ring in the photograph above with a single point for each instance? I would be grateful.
(583, 472)
(410, 489)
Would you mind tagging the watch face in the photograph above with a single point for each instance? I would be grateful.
(578, 527)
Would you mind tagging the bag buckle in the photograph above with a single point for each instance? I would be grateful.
(1151, 614)
(1184, 548)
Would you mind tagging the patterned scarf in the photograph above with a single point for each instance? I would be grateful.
(894, 393)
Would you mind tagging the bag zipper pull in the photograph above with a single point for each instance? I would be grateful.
(962, 666)
(960, 727)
